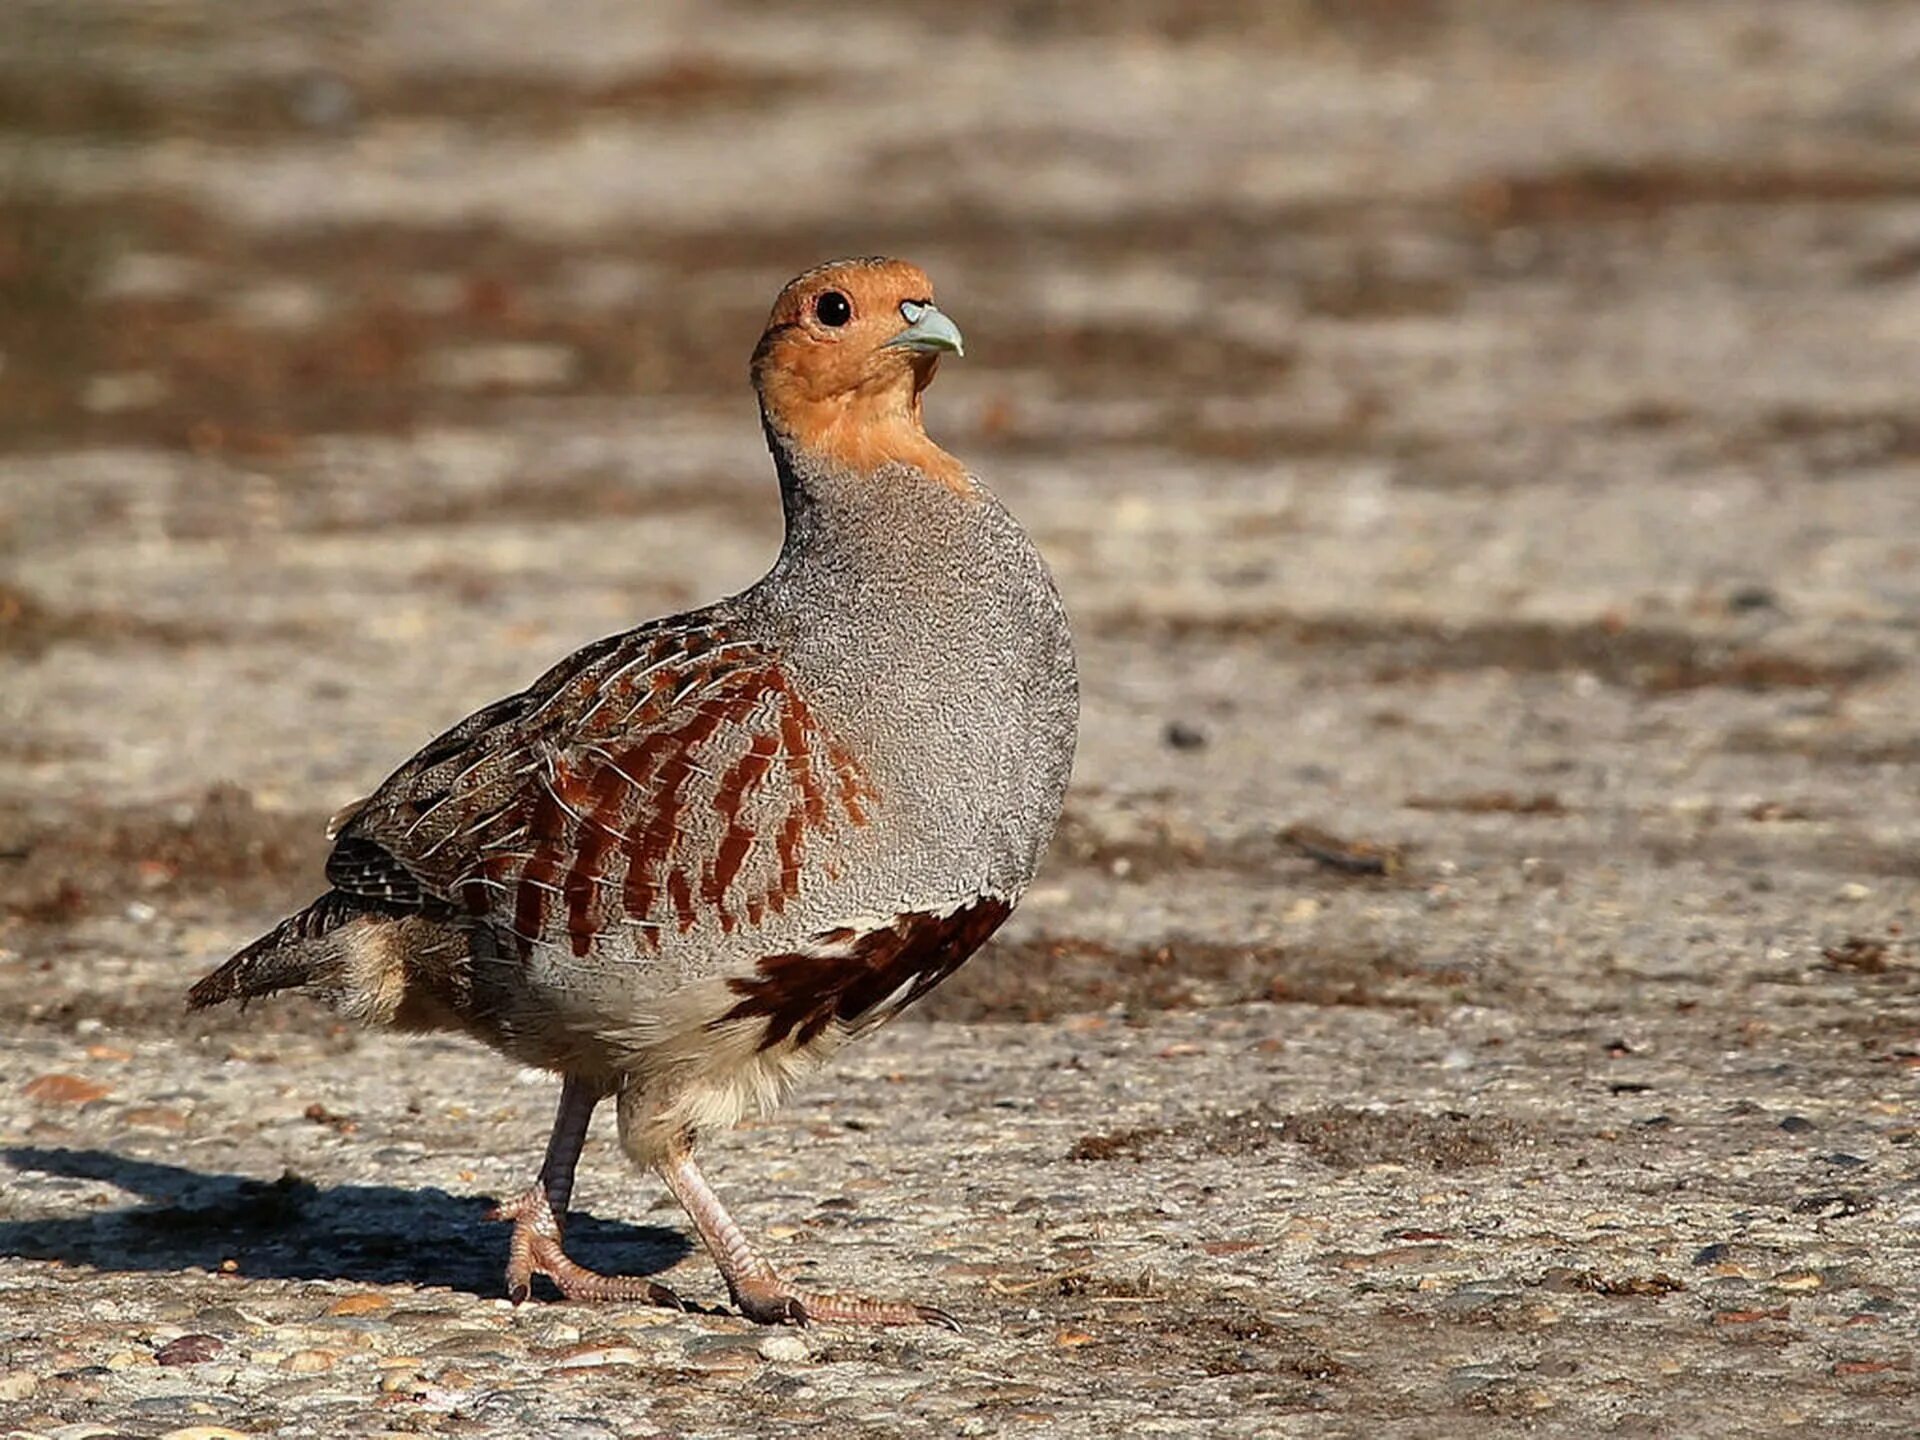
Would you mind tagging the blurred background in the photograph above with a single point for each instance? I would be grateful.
(1478, 443)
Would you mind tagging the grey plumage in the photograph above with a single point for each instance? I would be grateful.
(689, 861)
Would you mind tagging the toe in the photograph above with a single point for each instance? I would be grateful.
(778, 1304)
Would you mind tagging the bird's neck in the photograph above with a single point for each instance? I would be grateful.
(867, 431)
(876, 491)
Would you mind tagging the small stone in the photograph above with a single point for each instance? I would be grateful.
(1070, 1339)
(1797, 1125)
(60, 1089)
(1797, 1280)
(364, 1304)
(1180, 735)
(783, 1347)
(188, 1350)
(205, 1432)
(18, 1386)
(596, 1355)
(724, 1354)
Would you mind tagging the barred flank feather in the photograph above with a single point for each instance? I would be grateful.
(286, 957)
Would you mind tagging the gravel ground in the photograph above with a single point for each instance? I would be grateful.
(1475, 990)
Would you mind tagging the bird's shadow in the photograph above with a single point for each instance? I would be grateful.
(294, 1229)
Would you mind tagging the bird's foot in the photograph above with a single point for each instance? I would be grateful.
(535, 1249)
(769, 1300)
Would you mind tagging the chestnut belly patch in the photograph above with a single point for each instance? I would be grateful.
(858, 977)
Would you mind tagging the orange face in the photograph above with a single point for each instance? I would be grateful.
(846, 353)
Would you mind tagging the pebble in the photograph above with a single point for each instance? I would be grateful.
(188, 1350)
(364, 1304)
(1182, 735)
(724, 1353)
(602, 1355)
(64, 1089)
(18, 1386)
(784, 1347)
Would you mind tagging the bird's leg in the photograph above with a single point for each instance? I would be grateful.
(539, 1218)
(757, 1289)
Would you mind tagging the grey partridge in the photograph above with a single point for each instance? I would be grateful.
(693, 860)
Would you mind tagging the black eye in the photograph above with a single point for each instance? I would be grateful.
(833, 308)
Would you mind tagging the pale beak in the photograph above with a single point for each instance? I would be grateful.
(928, 331)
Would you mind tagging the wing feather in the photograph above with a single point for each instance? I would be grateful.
(654, 781)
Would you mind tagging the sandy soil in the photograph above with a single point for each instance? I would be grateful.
(1475, 990)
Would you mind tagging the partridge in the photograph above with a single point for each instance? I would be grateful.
(691, 861)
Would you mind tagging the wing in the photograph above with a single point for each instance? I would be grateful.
(661, 779)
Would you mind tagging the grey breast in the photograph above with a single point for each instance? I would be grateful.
(929, 632)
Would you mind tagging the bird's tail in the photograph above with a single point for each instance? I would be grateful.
(295, 953)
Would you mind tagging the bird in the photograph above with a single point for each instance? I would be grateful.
(693, 860)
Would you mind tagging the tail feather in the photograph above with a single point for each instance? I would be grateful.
(287, 957)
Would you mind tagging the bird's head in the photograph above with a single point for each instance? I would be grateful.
(846, 353)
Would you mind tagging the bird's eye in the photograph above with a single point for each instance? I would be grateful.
(834, 309)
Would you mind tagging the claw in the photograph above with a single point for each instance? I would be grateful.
(934, 1315)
